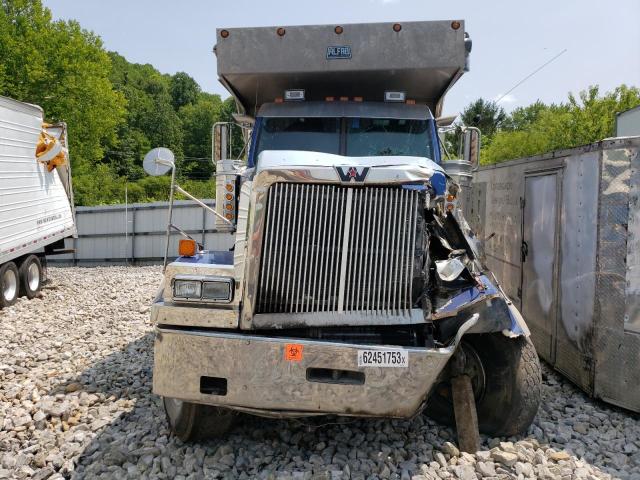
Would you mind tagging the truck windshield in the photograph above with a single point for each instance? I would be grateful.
(354, 137)
(307, 134)
(378, 136)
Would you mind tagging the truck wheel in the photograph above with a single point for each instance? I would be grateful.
(506, 378)
(192, 421)
(9, 284)
(30, 276)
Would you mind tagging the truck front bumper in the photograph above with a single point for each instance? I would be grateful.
(251, 373)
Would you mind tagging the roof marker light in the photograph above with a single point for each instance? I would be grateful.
(455, 25)
(224, 33)
(357, 99)
(338, 30)
(344, 99)
(329, 99)
(394, 96)
(397, 27)
(281, 31)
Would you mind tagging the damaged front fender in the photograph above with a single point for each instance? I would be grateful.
(496, 313)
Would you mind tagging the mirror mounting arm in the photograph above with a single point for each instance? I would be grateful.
(178, 189)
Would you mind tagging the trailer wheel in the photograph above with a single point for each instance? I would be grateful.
(9, 284)
(193, 421)
(506, 379)
(30, 276)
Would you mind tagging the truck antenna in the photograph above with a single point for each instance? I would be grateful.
(529, 76)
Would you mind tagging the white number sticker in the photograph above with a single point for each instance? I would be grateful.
(383, 358)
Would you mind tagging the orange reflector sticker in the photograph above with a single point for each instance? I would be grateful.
(293, 352)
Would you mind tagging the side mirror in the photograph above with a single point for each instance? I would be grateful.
(471, 146)
(158, 161)
(221, 141)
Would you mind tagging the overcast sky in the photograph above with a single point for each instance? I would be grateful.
(510, 38)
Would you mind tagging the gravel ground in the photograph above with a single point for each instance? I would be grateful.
(75, 401)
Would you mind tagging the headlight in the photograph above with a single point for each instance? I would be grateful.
(195, 288)
(190, 289)
(218, 290)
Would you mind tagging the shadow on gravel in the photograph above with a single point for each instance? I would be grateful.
(131, 439)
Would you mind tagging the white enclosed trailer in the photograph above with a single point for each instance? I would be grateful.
(36, 212)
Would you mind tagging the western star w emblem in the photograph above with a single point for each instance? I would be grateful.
(352, 174)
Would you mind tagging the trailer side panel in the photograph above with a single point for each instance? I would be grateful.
(34, 207)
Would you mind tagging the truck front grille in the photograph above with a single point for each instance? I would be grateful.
(330, 248)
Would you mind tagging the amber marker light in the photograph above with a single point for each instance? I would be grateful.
(229, 187)
(186, 247)
(224, 33)
(455, 25)
(397, 27)
(338, 30)
(281, 31)
(228, 196)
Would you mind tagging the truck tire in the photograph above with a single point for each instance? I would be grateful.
(192, 421)
(30, 276)
(506, 384)
(9, 284)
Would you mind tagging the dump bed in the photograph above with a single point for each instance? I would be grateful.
(35, 204)
(423, 59)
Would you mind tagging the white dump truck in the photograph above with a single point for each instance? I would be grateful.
(36, 198)
(355, 286)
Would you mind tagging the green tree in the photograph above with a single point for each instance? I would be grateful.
(184, 90)
(151, 120)
(587, 118)
(64, 69)
(197, 120)
(522, 118)
(486, 115)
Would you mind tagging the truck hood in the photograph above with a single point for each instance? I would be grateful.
(279, 159)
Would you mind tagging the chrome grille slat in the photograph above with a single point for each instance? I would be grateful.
(410, 246)
(330, 248)
(289, 255)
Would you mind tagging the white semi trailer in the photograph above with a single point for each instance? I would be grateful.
(355, 286)
(36, 199)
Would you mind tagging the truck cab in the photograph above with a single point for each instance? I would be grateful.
(354, 286)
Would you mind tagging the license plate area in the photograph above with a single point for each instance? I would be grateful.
(387, 358)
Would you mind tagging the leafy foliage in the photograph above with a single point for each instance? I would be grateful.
(116, 111)
(541, 128)
(64, 69)
(486, 115)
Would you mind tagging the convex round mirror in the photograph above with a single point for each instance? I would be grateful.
(158, 161)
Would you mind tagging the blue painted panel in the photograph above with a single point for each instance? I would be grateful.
(210, 257)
